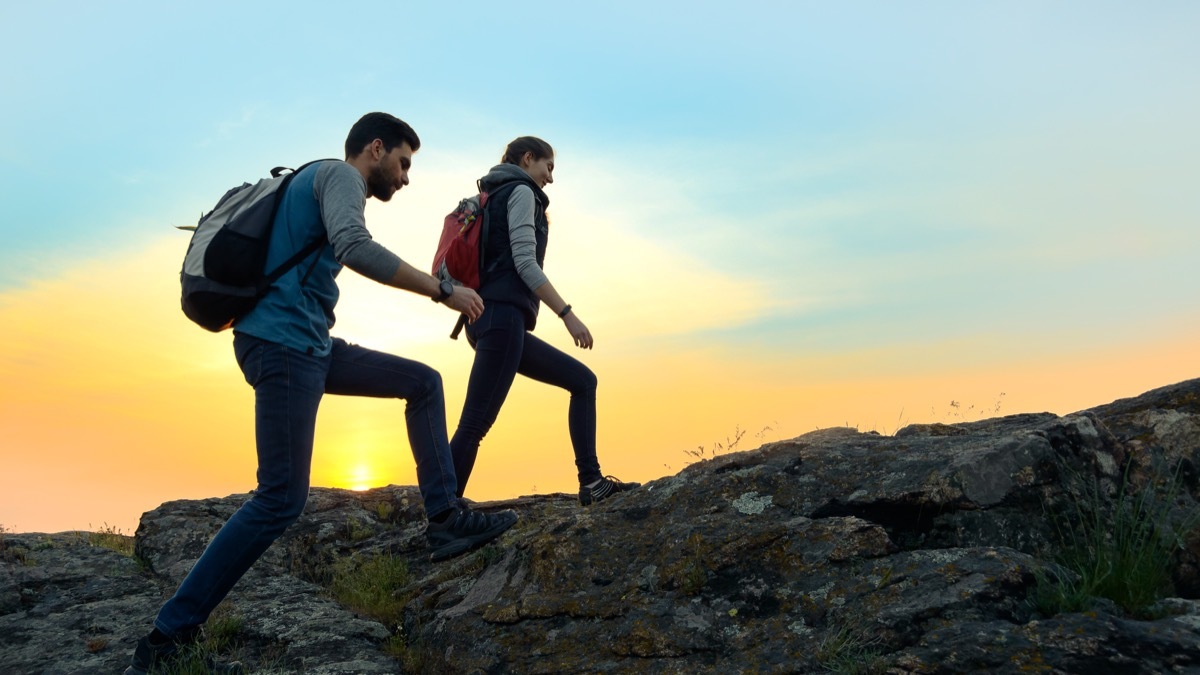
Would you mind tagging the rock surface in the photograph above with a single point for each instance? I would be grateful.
(913, 553)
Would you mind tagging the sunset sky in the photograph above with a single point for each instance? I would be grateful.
(773, 217)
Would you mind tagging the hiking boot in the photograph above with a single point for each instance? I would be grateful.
(607, 487)
(464, 530)
(168, 654)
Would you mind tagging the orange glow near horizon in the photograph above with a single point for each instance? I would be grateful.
(107, 416)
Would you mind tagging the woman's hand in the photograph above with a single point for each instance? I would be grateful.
(578, 331)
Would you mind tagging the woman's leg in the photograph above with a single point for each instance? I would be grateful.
(544, 363)
(498, 337)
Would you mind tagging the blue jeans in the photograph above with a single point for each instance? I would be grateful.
(288, 386)
(504, 348)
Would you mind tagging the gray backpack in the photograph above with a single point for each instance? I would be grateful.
(224, 274)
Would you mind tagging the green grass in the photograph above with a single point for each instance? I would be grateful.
(413, 658)
(10, 553)
(1120, 548)
(192, 662)
(374, 587)
(688, 574)
(358, 531)
(222, 627)
(851, 651)
(113, 539)
(218, 638)
(385, 511)
(371, 586)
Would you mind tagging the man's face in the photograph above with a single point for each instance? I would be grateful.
(390, 172)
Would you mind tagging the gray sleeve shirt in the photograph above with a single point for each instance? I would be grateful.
(341, 193)
(521, 237)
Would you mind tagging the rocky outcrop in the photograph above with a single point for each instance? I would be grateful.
(921, 552)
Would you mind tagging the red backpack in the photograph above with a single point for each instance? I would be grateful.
(460, 251)
(459, 256)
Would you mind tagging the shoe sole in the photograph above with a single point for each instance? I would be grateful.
(464, 544)
(590, 501)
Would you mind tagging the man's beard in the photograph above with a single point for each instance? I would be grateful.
(379, 184)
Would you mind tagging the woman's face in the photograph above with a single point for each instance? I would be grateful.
(540, 170)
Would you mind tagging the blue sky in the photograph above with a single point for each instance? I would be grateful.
(867, 142)
(916, 168)
(805, 193)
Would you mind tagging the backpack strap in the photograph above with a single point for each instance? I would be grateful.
(315, 245)
(303, 253)
(485, 198)
(458, 326)
(488, 268)
(485, 224)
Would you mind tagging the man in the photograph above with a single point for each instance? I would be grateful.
(286, 353)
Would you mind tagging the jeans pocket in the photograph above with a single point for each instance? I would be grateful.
(249, 354)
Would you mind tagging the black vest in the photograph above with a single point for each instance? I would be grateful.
(501, 283)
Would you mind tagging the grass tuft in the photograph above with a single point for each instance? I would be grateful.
(112, 538)
(222, 627)
(372, 585)
(702, 453)
(413, 657)
(1119, 548)
(12, 553)
(851, 651)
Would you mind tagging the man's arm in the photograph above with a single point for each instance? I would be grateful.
(342, 194)
(463, 299)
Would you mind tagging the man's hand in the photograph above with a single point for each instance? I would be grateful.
(465, 301)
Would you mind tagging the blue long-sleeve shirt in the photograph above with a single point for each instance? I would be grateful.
(326, 199)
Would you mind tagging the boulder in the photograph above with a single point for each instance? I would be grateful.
(920, 552)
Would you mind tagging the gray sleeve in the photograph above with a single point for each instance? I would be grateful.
(341, 193)
(521, 237)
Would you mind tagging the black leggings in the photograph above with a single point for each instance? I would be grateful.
(504, 348)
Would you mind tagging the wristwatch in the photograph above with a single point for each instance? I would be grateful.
(446, 289)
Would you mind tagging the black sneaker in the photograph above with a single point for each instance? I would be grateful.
(464, 530)
(607, 487)
(151, 656)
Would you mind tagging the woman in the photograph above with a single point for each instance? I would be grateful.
(513, 287)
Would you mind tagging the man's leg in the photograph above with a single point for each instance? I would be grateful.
(358, 371)
(453, 528)
(287, 391)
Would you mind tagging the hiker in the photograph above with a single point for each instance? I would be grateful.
(513, 286)
(286, 353)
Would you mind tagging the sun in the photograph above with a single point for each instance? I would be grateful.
(361, 477)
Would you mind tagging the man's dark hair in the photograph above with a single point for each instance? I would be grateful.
(517, 149)
(387, 128)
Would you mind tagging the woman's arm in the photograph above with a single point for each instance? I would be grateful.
(579, 332)
(523, 242)
(522, 239)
